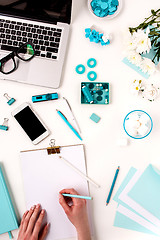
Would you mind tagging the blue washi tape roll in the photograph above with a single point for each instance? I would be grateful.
(87, 94)
(89, 75)
(90, 64)
(80, 69)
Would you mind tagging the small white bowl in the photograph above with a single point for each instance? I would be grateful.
(119, 7)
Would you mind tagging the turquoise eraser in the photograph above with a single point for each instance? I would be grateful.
(95, 118)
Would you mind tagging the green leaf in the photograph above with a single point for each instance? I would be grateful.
(152, 42)
(153, 12)
(145, 25)
(157, 44)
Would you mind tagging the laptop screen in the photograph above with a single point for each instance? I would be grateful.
(50, 11)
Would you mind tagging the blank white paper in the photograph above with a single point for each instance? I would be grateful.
(44, 176)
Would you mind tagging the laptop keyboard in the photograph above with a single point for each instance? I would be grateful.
(46, 40)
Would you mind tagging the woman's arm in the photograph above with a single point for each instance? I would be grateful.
(76, 213)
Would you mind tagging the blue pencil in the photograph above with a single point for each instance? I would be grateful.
(77, 196)
(112, 186)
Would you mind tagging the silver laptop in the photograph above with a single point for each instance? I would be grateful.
(46, 25)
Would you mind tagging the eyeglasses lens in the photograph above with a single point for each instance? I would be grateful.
(8, 66)
(26, 52)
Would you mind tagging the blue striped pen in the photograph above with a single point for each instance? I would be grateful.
(112, 186)
(77, 196)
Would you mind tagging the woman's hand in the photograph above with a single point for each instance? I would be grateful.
(77, 213)
(30, 227)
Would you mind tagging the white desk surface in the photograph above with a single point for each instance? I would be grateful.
(102, 154)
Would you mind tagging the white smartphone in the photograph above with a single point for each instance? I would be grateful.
(30, 122)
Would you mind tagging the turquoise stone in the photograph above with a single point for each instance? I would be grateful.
(104, 5)
(102, 8)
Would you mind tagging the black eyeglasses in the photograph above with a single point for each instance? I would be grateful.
(25, 52)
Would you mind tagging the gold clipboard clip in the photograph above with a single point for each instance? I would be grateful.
(53, 149)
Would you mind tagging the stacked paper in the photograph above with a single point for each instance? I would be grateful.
(138, 201)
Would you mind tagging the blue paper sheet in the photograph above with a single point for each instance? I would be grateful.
(129, 176)
(124, 222)
(121, 220)
(146, 191)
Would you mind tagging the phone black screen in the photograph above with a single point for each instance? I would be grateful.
(30, 123)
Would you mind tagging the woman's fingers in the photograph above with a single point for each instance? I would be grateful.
(38, 224)
(33, 218)
(27, 218)
(22, 221)
(31, 224)
(64, 204)
(73, 192)
(44, 232)
(70, 191)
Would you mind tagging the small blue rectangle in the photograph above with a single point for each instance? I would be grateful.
(45, 97)
(95, 118)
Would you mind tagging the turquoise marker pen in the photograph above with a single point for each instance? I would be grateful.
(77, 196)
(69, 125)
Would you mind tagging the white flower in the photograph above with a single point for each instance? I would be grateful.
(137, 127)
(129, 41)
(150, 92)
(147, 31)
(142, 41)
(148, 66)
(131, 44)
(136, 87)
(144, 119)
(134, 58)
(143, 129)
